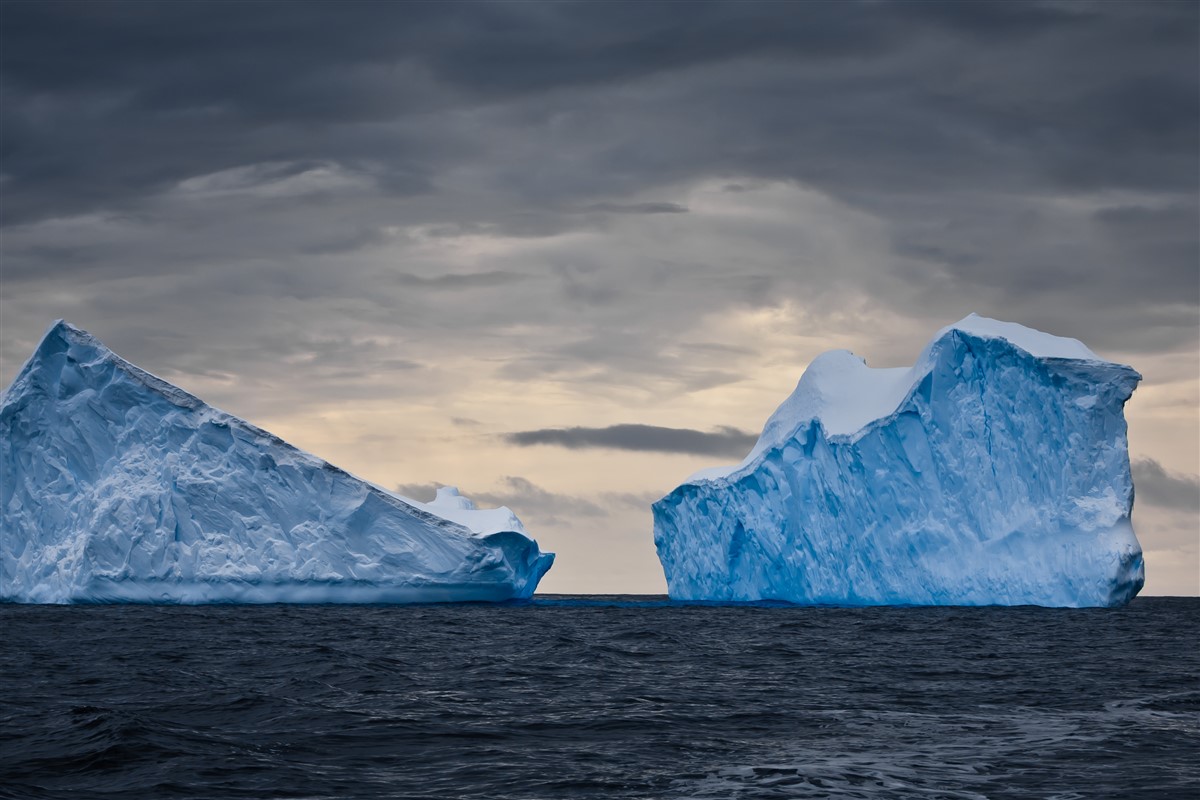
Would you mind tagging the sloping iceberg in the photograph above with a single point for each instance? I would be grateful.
(116, 486)
(993, 472)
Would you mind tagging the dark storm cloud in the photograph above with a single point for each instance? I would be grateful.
(107, 101)
(245, 159)
(1158, 486)
(724, 441)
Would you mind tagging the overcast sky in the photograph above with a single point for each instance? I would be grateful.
(563, 255)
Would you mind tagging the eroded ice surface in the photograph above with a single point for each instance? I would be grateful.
(117, 486)
(993, 471)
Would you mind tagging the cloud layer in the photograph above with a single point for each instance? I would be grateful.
(1160, 487)
(724, 441)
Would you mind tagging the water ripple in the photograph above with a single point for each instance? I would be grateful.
(599, 698)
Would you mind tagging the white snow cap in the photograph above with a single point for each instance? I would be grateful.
(846, 395)
(1034, 342)
(451, 505)
(449, 497)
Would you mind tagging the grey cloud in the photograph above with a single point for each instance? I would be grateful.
(532, 503)
(640, 501)
(346, 242)
(453, 280)
(710, 349)
(331, 80)
(421, 492)
(967, 130)
(522, 493)
(609, 358)
(1158, 486)
(724, 441)
(638, 208)
(536, 505)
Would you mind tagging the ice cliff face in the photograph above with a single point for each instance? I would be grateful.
(994, 471)
(116, 486)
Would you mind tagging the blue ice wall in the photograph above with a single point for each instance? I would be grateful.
(1000, 478)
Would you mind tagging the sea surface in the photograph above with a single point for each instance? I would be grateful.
(599, 697)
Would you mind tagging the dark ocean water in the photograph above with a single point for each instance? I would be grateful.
(599, 698)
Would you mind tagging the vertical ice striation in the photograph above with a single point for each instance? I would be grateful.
(116, 486)
(994, 471)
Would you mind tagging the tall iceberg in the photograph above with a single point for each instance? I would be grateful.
(116, 486)
(993, 472)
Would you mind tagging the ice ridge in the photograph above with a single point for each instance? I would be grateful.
(993, 471)
(117, 486)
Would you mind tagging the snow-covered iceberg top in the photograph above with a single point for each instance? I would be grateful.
(116, 485)
(844, 395)
(993, 471)
(451, 505)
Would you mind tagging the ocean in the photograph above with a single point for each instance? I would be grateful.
(599, 697)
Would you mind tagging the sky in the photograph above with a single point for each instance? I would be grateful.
(562, 255)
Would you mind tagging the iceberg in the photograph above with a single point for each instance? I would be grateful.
(993, 472)
(116, 486)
